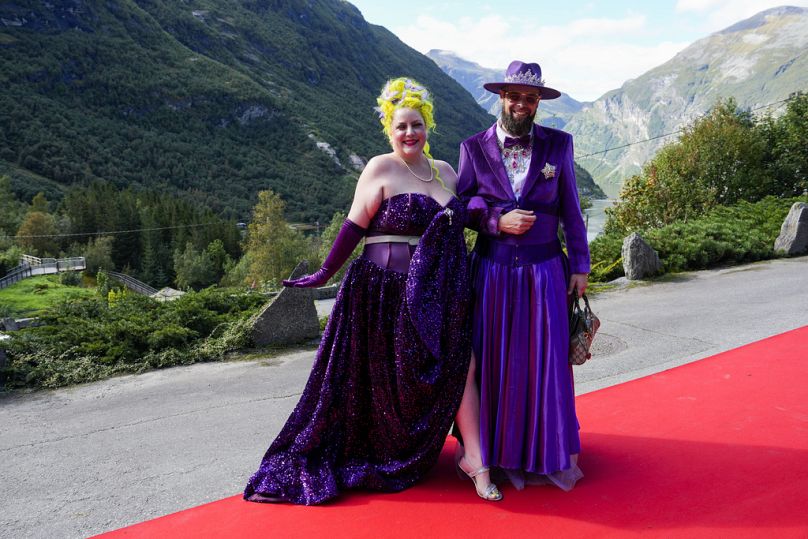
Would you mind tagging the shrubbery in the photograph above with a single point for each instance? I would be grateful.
(722, 159)
(90, 339)
(716, 196)
(735, 234)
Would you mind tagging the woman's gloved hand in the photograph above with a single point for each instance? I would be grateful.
(346, 241)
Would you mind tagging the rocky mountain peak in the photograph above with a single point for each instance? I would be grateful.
(757, 61)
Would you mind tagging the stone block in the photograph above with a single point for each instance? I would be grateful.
(639, 259)
(793, 238)
(10, 324)
(326, 292)
(3, 358)
(288, 318)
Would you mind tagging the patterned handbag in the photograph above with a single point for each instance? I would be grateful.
(583, 326)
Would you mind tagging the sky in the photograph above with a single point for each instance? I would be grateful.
(585, 48)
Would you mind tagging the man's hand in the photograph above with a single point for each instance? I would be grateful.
(579, 282)
(516, 221)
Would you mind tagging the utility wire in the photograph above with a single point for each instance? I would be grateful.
(603, 151)
(110, 232)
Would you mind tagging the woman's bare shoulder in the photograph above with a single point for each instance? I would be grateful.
(447, 174)
(376, 168)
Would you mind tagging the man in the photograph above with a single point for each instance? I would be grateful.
(519, 181)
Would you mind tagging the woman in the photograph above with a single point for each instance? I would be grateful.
(393, 361)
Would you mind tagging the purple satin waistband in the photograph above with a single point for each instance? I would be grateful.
(390, 255)
(521, 254)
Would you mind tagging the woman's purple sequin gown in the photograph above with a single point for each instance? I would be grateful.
(390, 371)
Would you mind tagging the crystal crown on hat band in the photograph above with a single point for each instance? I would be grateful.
(526, 77)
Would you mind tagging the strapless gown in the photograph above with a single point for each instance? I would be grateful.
(390, 370)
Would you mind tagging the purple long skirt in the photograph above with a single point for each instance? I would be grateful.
(520, 337)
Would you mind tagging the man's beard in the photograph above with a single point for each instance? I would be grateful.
(516, 127)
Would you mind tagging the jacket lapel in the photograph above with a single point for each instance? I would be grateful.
(492, 154)
(538, 157)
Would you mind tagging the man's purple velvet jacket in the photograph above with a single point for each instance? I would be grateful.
(551, 194)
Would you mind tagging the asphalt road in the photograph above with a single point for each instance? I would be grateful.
(92, 458)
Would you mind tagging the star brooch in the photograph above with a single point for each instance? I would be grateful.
(548, 171)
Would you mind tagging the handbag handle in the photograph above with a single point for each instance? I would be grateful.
(576, 305)
(586, 302)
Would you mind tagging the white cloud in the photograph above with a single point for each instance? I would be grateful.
(606, 27)
(699, 6)
(719, 14)
(586, 71)
(464, 35)
(584, 58)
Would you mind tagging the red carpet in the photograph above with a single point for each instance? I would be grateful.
(716, 448)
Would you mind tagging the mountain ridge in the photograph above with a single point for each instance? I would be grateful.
(763, 55)
(760, 60)
(211, 100)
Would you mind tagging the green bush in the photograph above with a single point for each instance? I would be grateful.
(606, 253)
(70, 278)
(89, 339)
(725, 235)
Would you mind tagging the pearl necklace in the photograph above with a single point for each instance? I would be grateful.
(431, 171)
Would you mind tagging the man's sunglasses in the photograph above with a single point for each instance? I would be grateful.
(515, 97)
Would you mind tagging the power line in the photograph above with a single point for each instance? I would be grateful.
(111, 232)
(628, 144)
(603, 151)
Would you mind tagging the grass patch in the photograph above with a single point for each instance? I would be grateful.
(35, 295)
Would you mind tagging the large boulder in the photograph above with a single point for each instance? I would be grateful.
(793, 238)
(639, 259)
(289, 318)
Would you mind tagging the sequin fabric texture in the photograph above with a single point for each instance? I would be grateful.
(390, 371)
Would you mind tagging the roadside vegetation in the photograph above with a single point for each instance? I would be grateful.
(86, 339)
(717, 195)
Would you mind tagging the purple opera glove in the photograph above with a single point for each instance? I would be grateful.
(346, 241)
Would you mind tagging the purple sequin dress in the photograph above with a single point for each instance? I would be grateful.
(390, 371)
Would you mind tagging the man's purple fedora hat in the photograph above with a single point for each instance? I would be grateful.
(523, 74)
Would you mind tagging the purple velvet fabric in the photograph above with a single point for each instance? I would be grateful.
(520, 333)
(482, 177)
(390, 371)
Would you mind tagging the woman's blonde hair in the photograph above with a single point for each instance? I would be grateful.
(406, 93)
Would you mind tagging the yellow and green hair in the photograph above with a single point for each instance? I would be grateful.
(408, 93)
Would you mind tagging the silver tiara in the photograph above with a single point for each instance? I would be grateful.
(526, 77)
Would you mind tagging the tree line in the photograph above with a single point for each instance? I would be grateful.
(158, 239)
(148, 235)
